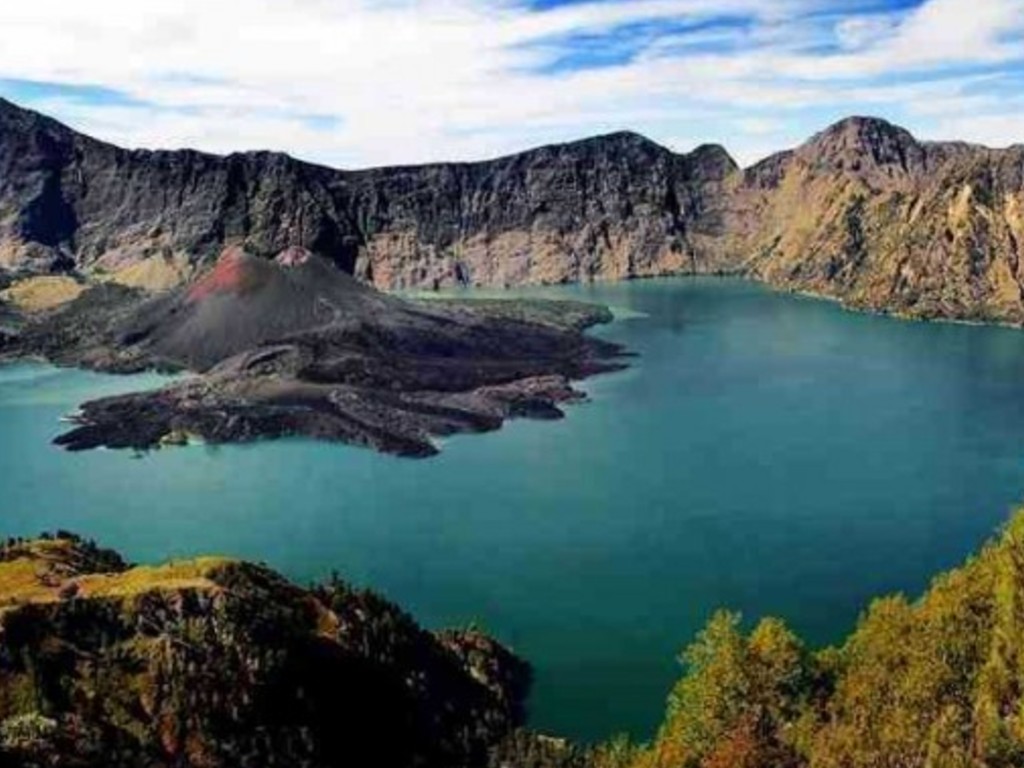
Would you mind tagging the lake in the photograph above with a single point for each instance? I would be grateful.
(767, 453)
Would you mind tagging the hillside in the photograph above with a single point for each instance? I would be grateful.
(862, 212)
(213, 662)
(866, 213)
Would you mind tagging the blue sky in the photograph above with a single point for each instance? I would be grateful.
(365, 82)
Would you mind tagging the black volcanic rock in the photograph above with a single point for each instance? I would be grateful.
(294, 346)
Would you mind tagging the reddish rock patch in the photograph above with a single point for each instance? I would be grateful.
(233, 273)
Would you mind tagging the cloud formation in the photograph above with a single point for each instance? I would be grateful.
(365, 82)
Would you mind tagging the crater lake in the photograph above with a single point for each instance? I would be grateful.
(764, 452)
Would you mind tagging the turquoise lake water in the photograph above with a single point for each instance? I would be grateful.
(767, 453)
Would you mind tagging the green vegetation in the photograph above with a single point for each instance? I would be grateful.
(216, 663)
(188, 574)
(937, 683)
(558, 313)
(57, 568)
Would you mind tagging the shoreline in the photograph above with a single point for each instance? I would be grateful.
(488, 291)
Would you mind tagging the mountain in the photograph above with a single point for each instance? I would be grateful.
(615, 206)
(862, 212)
(865, 213)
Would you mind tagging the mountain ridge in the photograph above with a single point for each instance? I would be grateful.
(862, 212)
(12, 107)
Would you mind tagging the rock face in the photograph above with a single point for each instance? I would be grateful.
(615, 206)
(862, 212)
(865, 213)
(214, 663)
(611, 207)
(69, 201)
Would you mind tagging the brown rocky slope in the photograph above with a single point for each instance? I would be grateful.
(865, 213)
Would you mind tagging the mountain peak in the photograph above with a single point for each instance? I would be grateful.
(714, 155)
(616, 141)
(19, 121)
(625, 137)
(9, 110)
(9, 106)
(861, 123)
(859, 142)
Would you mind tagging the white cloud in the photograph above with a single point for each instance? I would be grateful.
(860, 32)
(992, 130)
(414, 80)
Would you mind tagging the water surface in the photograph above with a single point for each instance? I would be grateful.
(768, 453)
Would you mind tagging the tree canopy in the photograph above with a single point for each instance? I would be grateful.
(933, 683)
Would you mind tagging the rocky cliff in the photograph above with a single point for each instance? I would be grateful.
(865, 213)
(614, 206)
(862, 212)
(215, 663)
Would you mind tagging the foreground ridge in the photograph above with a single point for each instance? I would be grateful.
(215, 662)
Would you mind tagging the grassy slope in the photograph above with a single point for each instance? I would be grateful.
(48, 570)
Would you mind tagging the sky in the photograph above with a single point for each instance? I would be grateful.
(356, 83)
